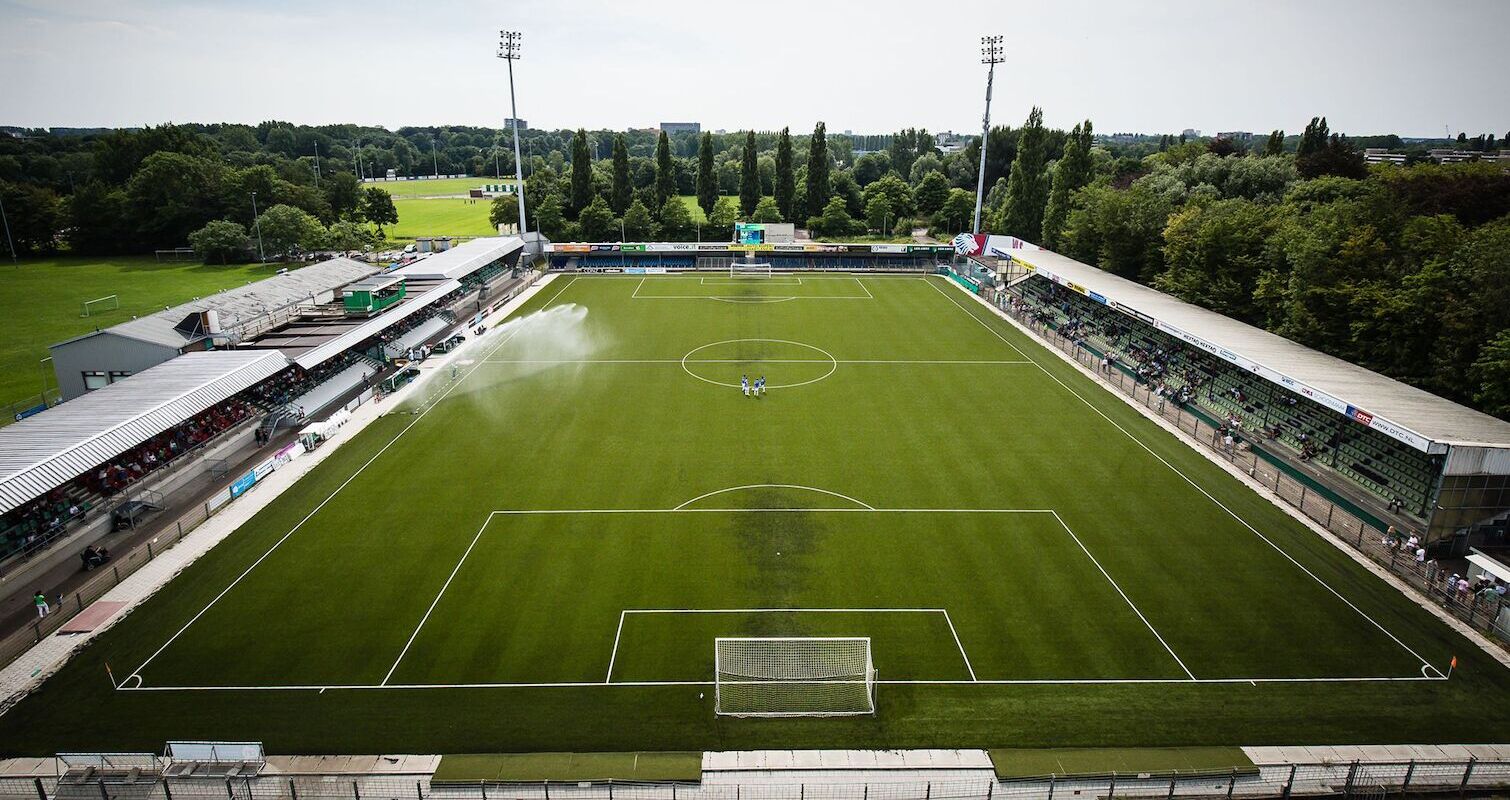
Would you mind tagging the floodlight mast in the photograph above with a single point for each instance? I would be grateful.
(509, 45)
(990, 55)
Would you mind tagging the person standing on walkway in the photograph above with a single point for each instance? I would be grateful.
(41, 602)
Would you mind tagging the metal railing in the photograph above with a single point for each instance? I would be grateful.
(1344, 778)
(1479, 611)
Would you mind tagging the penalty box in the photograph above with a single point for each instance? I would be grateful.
(570, 597)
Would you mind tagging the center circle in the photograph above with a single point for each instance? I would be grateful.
(731, 356)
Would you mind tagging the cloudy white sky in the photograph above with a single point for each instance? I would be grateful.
(1371, 66)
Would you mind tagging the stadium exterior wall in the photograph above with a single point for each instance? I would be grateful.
(103, 352)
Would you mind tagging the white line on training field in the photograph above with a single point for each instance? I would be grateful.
(863, 287)
(1130, 603)
(344, 484)
(438, 596)
(613, 656)
(957, 643)
(647, 684)
(1190, 481)
(866, 505)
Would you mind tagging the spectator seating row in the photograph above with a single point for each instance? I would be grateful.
(1387, 468)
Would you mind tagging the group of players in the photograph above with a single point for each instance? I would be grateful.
(755, 389)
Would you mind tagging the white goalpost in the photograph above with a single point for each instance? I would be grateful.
(109, 302)
(749, 267)
(793, 677)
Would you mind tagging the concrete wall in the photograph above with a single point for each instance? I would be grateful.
(103, 352)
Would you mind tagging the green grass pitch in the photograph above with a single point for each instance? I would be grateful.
(539, 556)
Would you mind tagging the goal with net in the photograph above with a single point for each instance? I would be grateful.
(793, 677)
(749, 268)
(109, 302)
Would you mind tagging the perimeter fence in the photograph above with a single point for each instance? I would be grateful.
(1470, 777)
(1485, 613)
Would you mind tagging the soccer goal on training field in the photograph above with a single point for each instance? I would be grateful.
(793, 677)
(109, 302)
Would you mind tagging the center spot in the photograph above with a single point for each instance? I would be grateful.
(785, 364)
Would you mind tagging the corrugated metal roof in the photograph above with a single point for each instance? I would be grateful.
(41, 453)
(1382, 403)
(319, 355)
(463, 259)
(244, 303)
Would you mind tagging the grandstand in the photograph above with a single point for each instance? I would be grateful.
(1403, 454)
(200, 377)
(613, 257)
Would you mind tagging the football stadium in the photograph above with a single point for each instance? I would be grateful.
(455, 462)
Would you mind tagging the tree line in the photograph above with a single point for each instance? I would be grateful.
(1404, 270)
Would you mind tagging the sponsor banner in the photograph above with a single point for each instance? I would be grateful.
(604, 248)
(1077, 288)
(644, 270)
(655, 270)
(715, 247)
(572, 248)
(1100, 298)
(790, 248)
(242, 484)
(888, 248)
(812, 248)
(1133, 312)
(632, 248)
(970, 244)
(756, 248)
(671, 247)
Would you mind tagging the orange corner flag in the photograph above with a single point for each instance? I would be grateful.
(1454, 662)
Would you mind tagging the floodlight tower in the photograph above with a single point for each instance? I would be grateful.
(509, 44)
(990, 55)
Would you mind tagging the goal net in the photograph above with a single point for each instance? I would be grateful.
(749, 269)
(793, 677)
(109, 302)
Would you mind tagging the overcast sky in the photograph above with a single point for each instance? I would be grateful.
(1370, 66)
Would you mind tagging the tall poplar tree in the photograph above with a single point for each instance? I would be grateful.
(623, 191)
(786, 186)
(819, 188)
(707, 179)
(1073, 170)
(581, 173)
(749, 177)
(665, 178)
(1028, 185)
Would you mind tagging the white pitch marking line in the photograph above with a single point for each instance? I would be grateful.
(871, 610)
(764, 510)
(1130, 603)
(344, 484)
(600, 684)
(1190, 481)
(613, 656)
(867, 506)
(438, 596)
(883, 361)
(865, 288)
(957, 643)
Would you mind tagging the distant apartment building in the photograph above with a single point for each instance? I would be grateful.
(508, 123)
(1236, 136)
(1191, 133)
(673, 128)
(1382, 155)
(1450, 156)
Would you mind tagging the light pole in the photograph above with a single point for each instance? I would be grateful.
(990, 55)
(257, 223)
(317, 164)
(509, 44)
(434, 157)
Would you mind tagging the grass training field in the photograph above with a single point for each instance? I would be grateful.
(433, 188)
(539, 556)
(440, 217)
(45, 298)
